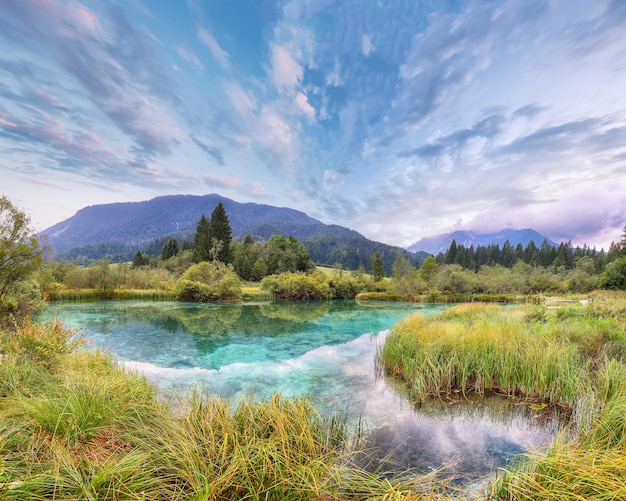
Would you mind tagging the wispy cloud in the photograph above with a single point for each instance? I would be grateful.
(253, 190)
(215, 153)
(189, 57)
(219, 54)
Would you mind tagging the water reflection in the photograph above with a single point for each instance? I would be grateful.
(323, 350)
(469, 437)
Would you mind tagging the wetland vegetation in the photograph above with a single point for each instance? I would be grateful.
(76, 425)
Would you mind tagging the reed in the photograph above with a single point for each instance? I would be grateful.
(114, 294)
(566, 472)
(475, 348)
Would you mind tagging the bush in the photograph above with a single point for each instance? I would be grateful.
(206, 281)
(615, 275)
(298, 286)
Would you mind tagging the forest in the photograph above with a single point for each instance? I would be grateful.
(282, 267)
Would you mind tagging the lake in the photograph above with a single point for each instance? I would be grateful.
(321, 350)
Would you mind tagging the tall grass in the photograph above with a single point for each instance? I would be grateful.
(112, 294)
(75, 426)
(574, 354)
(477, 347)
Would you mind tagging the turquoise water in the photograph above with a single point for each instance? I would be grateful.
(321, 350)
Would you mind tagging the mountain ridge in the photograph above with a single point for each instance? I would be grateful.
(441, 243)
(118, 230)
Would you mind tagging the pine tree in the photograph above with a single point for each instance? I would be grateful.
(220, 234)
(140, 259)
(202, 241)
(378, 267)
(170, 249)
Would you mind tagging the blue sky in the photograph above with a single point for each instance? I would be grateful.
(398, 118)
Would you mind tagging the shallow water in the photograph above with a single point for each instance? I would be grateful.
(322, 350)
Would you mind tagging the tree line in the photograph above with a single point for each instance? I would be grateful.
(546, 255)
(212, 266)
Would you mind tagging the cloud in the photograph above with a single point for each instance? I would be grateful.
(487, 128)
(366, 45)
(72, 150)
(529, 111)
(303, 103)
(255, 190)
(334, 77)
(219, 54)
(215, 153)
(554, 139)
(114, 62)
(286, 72)
(278, 137)
(189, 57)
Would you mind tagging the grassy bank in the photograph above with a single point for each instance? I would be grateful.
(573, 355)
(249, 293)
(442, 297)
(75, 426)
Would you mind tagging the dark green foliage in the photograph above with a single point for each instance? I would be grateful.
(546, 256)
(253, 261)
(170, 249)
(220, 233)
(286, 254)
(140, 259)
(213, 237)
(377, 267)
(356, 251)
(615, 275)
(244, 256)
(202, 241)
(20, 258)
(20, 254)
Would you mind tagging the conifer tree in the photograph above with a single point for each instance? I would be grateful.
(202, 241)
(378, 267)
(220, 234)
(170, 249)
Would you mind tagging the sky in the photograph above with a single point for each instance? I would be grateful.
(401, 119)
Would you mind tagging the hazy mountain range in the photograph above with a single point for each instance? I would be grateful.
(441, 243)
(118, 230)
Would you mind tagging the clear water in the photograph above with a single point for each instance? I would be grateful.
(322, 350)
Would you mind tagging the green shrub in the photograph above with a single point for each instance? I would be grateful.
(209, 281)
(298, 286)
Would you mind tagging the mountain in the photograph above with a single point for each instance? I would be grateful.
(441, 243)
(118, 230)
(135, 224)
